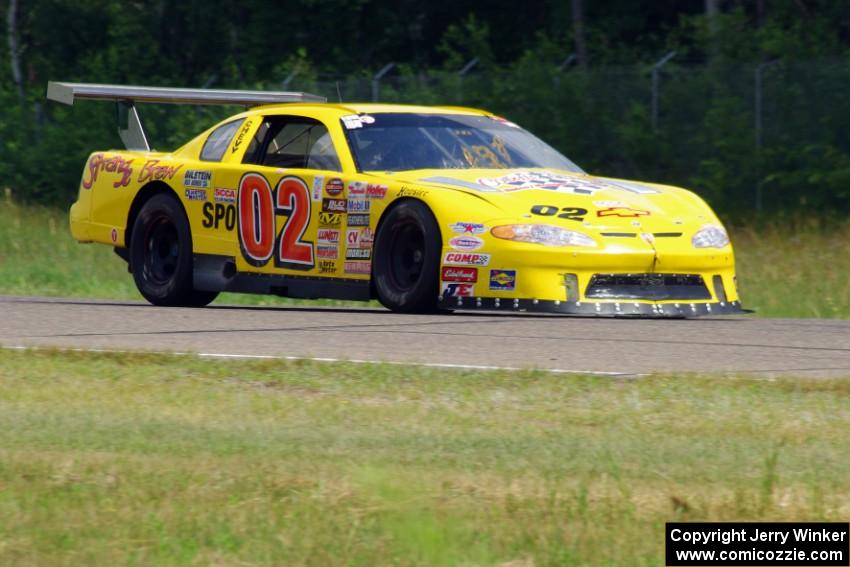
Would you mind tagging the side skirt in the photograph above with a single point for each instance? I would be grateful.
(218, 273)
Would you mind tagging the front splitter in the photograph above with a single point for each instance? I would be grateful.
(594, 309)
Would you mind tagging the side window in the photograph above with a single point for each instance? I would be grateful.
(291, 141)
(219, 140)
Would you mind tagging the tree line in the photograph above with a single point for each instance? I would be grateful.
(749, 111)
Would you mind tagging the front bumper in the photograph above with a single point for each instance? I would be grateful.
(595, 309)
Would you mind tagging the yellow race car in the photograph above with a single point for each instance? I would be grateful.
(423, 208)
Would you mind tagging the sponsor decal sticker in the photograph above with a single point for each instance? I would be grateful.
(327, 252)
(357, 268)
(466, 259)
(504, 121)
(153, 172)
(453, 274)
(458, 290)
(327, 266)
(376, 191)
(335, 187)
(366, 119)
(115, 164)
(196, 194)
(223, 195)
(218, 215)
(316, 193)
(358, 205)
(603, 204)
(358, 220)
(622, 212)
(357, 189)
(328, 236)
(240, 137)
(412, 192)
(352, 122)
(523, 180)
(333, 205)
(358, 254)
(359, 237)
(330, 219)
(502, 280)
(466, 243)
(197, 178)
(467, 227)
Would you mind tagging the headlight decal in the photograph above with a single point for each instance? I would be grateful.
(710, 236)
(544, 234)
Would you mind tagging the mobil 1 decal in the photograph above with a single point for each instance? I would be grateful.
(258, 208)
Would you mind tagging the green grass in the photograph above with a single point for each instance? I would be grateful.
(38, 256)
(133, 459)
(784, 270)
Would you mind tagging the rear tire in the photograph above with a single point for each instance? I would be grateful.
(161, 255)
(406, 263)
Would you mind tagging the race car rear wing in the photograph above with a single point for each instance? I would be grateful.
(130, 125)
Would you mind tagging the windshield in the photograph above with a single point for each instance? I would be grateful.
(405, 141)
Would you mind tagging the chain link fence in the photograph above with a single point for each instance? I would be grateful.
(762, 137)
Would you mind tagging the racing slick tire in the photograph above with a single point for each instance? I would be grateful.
(161, 255)
(406, 264)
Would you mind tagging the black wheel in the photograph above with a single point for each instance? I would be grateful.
(405, 267)
(161, 255)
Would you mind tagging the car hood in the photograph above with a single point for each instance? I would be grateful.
(598, 202)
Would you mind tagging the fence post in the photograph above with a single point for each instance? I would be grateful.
(376, 80)
(462, 73)
(655, 70)
(759, 126)
(560, 68)
(285, 83)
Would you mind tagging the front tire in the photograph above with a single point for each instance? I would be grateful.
(161, 255)
(406, 263)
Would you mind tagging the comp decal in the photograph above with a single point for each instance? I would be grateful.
(466, 259)
(569, 213)
(257, 210)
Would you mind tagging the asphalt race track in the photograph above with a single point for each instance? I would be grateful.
(769, 347)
